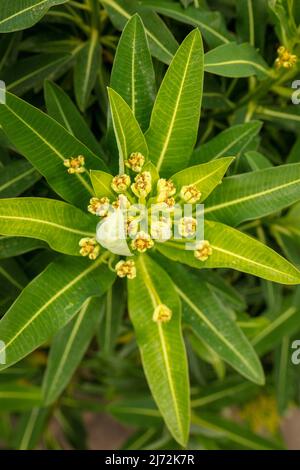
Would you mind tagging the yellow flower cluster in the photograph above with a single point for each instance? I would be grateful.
(75, 164)
(126, 269)
(142, 185)
(99, 206)
(262, 414)
(120, 183)
(89, 247)
(135, 162)
(203, 250)
(162, 314)
(285, 59)
(190, 194)
(142, 242)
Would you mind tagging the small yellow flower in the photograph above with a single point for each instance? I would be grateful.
(162, 314)
(142, 185)
(187, 226)
(203, 250)
(89, 247)
(75, 164)
(262, 414)
(121, 203)
(135, 162)
(285, 59)
(161, 230)
(190, 193)
(120, 183)
(126, 269)
(131, 227)
(142, 242)
(165, 189)
(99, 206)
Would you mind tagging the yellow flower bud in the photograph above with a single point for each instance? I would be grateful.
(121, 203)
(142, 185)
(162, 314)
(190, 193)
(187, 226)
(203, 250)
(165, 189)
(89, 247)
(99, 206)
(135, 162)
(75, 164)
(285, 59)
(120, 183)
(161, 230)
(126, 269)
(142, 242)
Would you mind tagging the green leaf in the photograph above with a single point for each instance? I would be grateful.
(86, 68)
(236, 60)
(46, 144)
(285, 323)
(61, 108)
(231, 391)
(132, 75)
(101, 182)
(17, 397)
(140, 412)
(161, 344)
(170, 140)
(49, 302)
(162, 43)
(111, 321)
(252, 21)
(285, 380)
(15, 246)
(234, 249)
(57, 223)
(257, 161)
(234, 432)
(16, 177)
(230, 142)
(210, 23)
(127, 130)
(30, 428)
(12, 274)
(205, 177)
(68, 348)
(254, 195)
(31, 73)
(16, 15)
(208, 319)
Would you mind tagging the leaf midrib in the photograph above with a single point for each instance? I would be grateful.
(21, 12)
(128, 16)
(155, 299)
(250, 261)
(17, 178)
(46, 222)
(91, 268)
(178, 100)
(215, 331)
(250, 196)
(54, 150)
(237, 61)
(68, 346)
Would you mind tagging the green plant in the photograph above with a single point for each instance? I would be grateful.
(147, 156)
